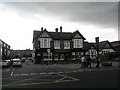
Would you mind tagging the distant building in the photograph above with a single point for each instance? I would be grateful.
(90, 49)
(4, 50)
(57, 45)
(105, 47)
(20, 53)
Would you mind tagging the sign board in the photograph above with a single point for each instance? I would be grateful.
(48, 50)
(33, 54)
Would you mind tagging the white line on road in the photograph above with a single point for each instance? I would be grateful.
(33, 73)
(7, 70)
(43, 73)
(11, 73)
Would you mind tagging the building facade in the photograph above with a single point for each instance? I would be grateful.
(0, 49)
(4, 50)
(57, 46)
(105, 47)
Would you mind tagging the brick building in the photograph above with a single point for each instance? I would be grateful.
(4, 50)
(57, 46)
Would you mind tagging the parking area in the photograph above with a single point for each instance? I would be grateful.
(35, 80)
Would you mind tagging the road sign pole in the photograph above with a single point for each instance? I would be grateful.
(48, 59)
(48, 50)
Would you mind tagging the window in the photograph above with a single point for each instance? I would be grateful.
(78, 43)
(62, 57)
(66, 45)
(45, 43)
(47, 56)
(73, 55)
(56, 57)
(105, 52)
(56, 44)
(92, 53)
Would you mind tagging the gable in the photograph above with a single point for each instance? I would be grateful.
(44, 35)
(77, 36)
(107, 46)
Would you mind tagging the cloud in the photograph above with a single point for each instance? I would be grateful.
(103, 14)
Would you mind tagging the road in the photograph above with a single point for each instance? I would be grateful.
(37, 76)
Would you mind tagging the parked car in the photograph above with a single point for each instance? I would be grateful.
(16, 62)
(9, 62)
(5, 63)
(23, 59)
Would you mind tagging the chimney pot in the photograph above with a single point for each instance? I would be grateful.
(56, 29)
(60, 28)
(41, 28)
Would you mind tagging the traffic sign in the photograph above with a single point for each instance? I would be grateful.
(48, 50)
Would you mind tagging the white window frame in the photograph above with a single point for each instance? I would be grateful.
(78, 43)
(66, 44)
(45, 56)
(92, 52)
(44, 42)
(56, 44)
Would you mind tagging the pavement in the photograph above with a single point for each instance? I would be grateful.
(77, 66)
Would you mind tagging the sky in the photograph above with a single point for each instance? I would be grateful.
(18, 20)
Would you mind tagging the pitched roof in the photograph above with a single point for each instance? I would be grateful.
(115, 43)
(61, 35)
(35, 34)
(57, 35)
(103, 43)
(88, 46)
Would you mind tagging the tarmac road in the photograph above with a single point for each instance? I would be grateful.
(60, 76)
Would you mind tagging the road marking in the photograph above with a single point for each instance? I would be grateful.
(33, 73)
(68, 77)
(43, 73)
(7, 70)
(52, 73)
(24, 74)
(11, 73)
(18, 83)
(60, 72)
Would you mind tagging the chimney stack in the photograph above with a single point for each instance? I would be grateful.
(60, 28)
(56, 29)
(41, 28)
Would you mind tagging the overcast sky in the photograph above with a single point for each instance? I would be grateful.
(92, 19)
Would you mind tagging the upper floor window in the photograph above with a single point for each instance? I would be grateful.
(44, 43)
(56, 44)
(78, 43)
(66, 45)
